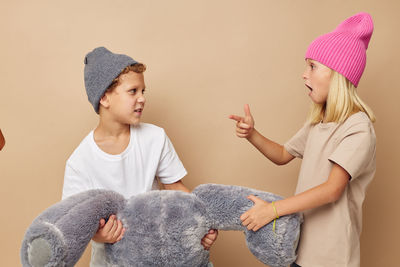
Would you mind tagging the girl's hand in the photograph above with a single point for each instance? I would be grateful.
(244, 125)
(259, 215)
(2, 140)
(209, 239)
(110, 232)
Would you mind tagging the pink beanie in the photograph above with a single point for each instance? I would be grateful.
(344, 49)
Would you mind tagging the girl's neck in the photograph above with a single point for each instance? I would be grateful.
(355, 110)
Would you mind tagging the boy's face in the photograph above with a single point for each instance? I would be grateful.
(317, 77)
(125, 103)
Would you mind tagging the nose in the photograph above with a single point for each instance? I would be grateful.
(141, 99)
(305, 74)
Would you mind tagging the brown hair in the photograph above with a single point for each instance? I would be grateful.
(138, 68)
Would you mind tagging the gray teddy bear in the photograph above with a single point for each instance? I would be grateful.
(163, 228)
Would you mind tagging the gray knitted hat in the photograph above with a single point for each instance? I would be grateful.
(101, 68)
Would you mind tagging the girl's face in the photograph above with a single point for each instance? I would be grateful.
(317, 78)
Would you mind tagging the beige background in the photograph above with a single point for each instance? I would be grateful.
(205, 60)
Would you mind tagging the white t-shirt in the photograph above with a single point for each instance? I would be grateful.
(150, 153)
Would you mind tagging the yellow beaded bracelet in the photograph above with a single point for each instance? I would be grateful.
(276, 213)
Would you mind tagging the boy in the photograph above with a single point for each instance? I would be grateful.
(121, 154)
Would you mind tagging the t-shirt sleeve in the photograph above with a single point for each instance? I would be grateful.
(74, 181)
(355, 150)
(170, 168)
(296, 145)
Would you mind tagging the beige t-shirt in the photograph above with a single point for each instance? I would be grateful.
(330, 235)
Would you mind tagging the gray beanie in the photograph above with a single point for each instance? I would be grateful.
(101, 68)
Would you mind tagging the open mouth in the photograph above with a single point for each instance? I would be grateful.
(309, 87)
(139, 110)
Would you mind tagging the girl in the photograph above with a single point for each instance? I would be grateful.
(337, 145)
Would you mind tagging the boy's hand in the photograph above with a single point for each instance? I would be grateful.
(110, 232)
(244, 125)
(209, 239)
(259, 215)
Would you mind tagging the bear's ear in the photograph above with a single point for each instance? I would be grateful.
(59, 235)
(226, 203)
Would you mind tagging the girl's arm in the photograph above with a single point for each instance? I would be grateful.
(273, 151)
(263, 212)
(2, 140)
(245, 129)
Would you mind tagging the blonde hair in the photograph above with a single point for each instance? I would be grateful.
(138, 68)
(341, 103)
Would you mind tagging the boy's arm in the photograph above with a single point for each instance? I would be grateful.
(263, 212)
(177, 186)
(110, 232)
(245, 129)
(75, 182)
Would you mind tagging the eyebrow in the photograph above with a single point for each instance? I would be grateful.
(135, 87)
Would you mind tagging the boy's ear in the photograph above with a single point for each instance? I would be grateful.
(105, 100)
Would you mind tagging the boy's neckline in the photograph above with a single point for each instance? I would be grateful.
(106, 153)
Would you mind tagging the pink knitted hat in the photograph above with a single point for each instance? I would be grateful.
(344, 49)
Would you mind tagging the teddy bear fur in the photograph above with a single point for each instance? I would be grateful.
(163, 228)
